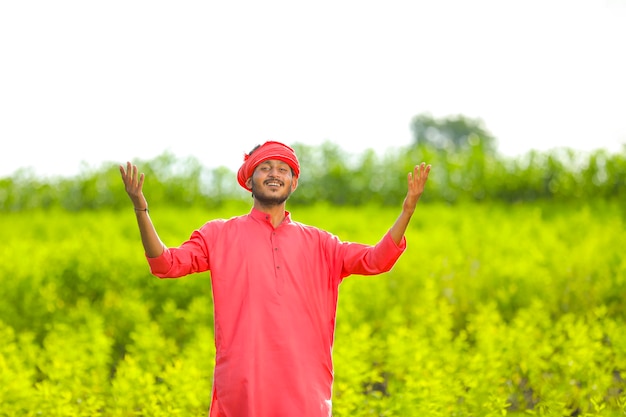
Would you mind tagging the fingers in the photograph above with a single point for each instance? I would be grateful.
(424, 171)
(417, 179)
(127, 171)
(131, 175)
(420, 172)
(423, 168)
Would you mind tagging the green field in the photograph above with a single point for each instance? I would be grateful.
(493, 310)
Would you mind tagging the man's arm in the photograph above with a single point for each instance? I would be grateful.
(133, 182)
(416, 181)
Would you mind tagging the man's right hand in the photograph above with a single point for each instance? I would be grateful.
(133, 182)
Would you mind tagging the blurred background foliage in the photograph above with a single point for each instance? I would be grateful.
(466, 167)
(464, 156)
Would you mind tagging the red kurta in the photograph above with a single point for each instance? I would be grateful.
(275, 297)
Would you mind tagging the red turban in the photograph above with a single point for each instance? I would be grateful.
(269, 150)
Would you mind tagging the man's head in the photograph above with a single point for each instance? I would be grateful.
(270, 171)
(269, 150)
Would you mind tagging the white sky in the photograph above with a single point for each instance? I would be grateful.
(93, 81)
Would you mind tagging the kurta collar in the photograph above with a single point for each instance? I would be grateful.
(264, 217)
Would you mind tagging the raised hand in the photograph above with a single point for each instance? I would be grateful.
(416, 181)
(133, 182)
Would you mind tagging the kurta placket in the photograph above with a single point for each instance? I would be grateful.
(276, 255)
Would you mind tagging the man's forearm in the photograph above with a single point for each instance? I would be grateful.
(399, 227)
(149, 238)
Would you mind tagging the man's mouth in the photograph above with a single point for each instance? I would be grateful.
(273, 183)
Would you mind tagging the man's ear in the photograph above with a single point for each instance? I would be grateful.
(294, 184)
(249, 182)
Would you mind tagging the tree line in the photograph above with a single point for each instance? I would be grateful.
(466, 166)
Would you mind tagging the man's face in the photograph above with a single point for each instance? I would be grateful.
(272, 182)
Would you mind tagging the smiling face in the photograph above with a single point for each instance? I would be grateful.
(272, 183)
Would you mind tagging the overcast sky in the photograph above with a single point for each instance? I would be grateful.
(94, 81)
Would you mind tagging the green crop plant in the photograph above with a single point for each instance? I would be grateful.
(494, 309)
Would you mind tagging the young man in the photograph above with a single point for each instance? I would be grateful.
(275, 285)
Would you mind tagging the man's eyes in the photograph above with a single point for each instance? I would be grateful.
(267, 168)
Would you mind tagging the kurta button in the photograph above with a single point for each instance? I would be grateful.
(275, 248)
